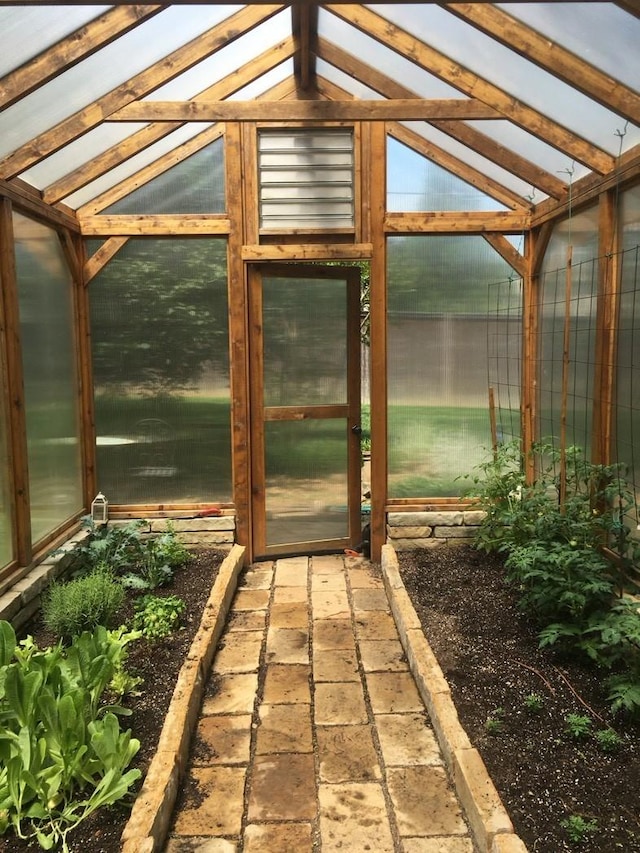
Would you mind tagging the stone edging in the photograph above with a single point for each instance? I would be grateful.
(487, 816)
(148, 824)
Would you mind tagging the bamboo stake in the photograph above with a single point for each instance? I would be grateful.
(565, 381)
(492, 421)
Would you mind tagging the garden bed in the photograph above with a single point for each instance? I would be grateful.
(489, 654)
(158, 664)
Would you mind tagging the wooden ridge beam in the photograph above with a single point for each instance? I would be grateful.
(145, 137)
(309, 110)
(464, 80)
(154, 225)
(304, 25)
(508, 160)
(74, 48)
(457, 222)
(550, 56)
(139, 86)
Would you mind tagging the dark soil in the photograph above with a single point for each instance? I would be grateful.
(158, 664)
(488, 651)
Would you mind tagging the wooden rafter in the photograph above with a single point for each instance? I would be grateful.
(282, 111)
(69, 51)
(145, 137)
(523, 169)
(142, 84)
(471, 84)
(550, 56)
(304, 26)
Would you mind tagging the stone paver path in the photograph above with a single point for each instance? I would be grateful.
(312, 735)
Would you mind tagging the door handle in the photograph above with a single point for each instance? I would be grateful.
(356, 429)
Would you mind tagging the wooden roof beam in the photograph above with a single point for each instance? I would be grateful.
(304, 26)
(550, 56)
(69, 51)
(471, 84)
(457, 222)
(511, 162)
(279, 111)
(145, 137)
(139, 86)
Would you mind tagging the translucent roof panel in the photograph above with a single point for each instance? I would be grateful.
(225, 61)
(390, 63)
(97, 75)
(601, 33)
(45, 25)
(509, 71)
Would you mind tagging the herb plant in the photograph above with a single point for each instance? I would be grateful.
(578, 726)
(81, 604)
(157, 617)
(578, 828)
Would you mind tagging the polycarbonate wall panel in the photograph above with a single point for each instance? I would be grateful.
(194, 186)
(580, 233)
(504, 352)
(47, 330)
(161, 372)
(415, 183)
(628, 351)
(438, 427)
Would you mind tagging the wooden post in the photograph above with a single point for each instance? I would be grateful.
(11, 355)
(566, 361)
(238, 337)
(378, 342)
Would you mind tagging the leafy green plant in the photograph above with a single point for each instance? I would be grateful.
(578, 828)
(81, 604)
(534, 703)
(608, 740)
(578, 726)
(159, 558)
(62, 754)
(494, 723)
(116, 546)
(157, 617)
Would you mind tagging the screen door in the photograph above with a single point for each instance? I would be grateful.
(305, 408)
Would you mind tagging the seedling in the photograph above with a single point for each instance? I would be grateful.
(534, 703)
(494, 723)
(578, 726)
(608, 740)
(578, 828)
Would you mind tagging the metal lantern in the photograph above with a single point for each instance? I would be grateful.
(100, 509)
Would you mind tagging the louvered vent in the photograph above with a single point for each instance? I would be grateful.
(306, 179)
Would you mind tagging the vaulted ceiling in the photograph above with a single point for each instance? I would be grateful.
(519, 99)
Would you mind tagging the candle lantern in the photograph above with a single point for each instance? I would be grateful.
(100, 509)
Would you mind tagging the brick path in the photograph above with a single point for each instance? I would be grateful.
(312, 734)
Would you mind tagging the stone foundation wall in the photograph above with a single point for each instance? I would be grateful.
(211, 532)
(408, 531)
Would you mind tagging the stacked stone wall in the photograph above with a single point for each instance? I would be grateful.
(408, 531)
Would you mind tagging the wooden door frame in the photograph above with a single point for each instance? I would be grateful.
(350, 410)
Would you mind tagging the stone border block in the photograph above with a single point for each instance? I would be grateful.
(490, 824)
(150, 818)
